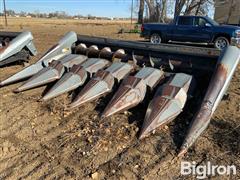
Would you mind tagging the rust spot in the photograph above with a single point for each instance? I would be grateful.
(2, 49)
(216, 83)
(130, 93)
(100, 76)
(78, 69)
(5, 44)
(56, 65)
(170, 91)
(105, 76)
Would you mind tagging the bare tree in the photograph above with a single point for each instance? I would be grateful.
(141, 11)
(151, 9)
(163, 14)
(157, 10)
(179, 7)
(191, 7)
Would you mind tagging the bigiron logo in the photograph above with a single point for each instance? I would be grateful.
(207, 170)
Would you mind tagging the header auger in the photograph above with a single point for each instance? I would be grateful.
(131, 70)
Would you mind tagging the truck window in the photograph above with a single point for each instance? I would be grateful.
(199, 21)
(186, 21)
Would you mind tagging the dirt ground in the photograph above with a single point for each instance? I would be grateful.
(41, 140)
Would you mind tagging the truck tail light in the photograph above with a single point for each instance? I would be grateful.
(142, 28)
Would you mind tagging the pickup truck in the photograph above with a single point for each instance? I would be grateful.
(194, 29)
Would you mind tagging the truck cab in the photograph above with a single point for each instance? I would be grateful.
(195, 29)
(192, 29)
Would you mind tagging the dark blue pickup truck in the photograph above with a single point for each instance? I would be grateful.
(195, 29)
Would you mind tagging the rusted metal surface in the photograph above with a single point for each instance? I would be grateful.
(102, 83)
(4, 44)
(44, 76)
(92, 51)
(105, 52)
(133, 90)
(217, 87)
(142, 48)
(76, 77)
(154, 63)
(3, 48)
(192, 58)
(167, 103)
(53, 72)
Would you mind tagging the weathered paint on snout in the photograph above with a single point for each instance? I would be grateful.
(217, 87)
(103, 82)
(76, 77)
(49, 74)
(59, 50)
(133, 90)
(53, 72)
(203, 116)
(167, 103)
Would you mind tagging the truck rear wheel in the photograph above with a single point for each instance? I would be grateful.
(155, 38)
(221, 43)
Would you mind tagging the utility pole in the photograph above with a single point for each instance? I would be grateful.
(5, 12)
(132, 12)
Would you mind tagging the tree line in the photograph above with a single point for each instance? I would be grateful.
(147, 10)
(158, 10)
(38, 14)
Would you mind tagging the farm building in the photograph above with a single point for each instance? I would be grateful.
(227, 11)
